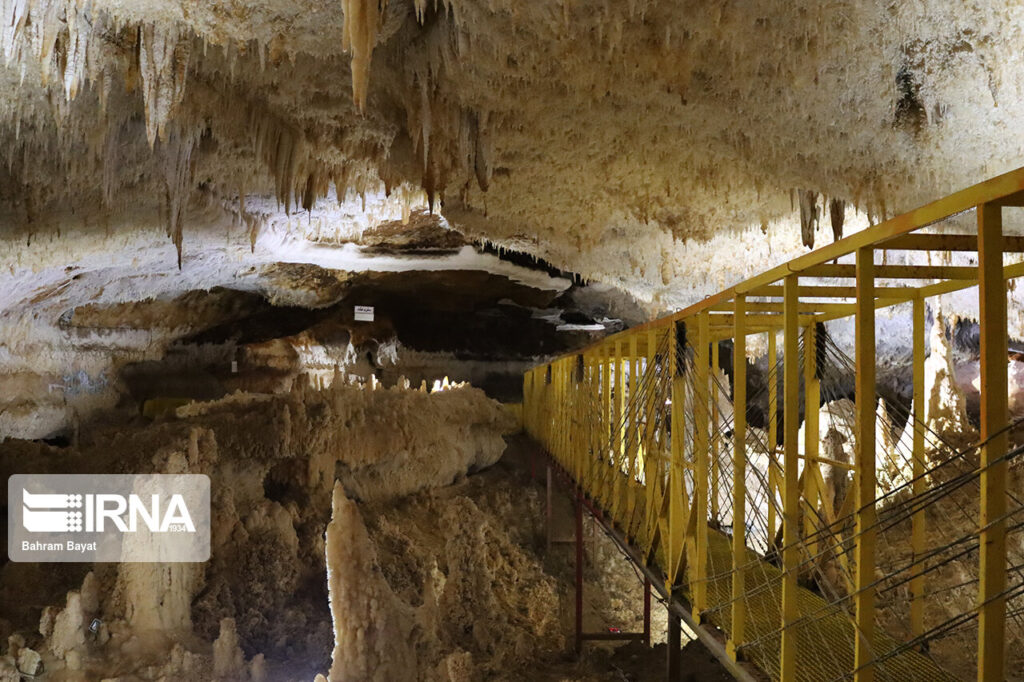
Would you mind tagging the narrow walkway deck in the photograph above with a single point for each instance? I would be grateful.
(824, 651)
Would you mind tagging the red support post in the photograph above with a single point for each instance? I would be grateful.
(647, 610)
(675, 643)
(549, 511)
(579, 570)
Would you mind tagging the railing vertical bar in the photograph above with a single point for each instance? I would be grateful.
(812, 394)
(773, 432)
(791, 462)
(864, 476)
(739, 469)
(677, 512)
(994, 417)
(700, 474)
(918, 527)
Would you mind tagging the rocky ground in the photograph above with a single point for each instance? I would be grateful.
(439, 569)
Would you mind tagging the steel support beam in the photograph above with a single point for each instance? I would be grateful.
(918, 527)
(790, 475)
(579, 570)
(549, 511)
(824, 291)
(647, 610)
(675, 535)
(618, 429)
(675, 643)
(946, 242)
(606, 416)
(773, 432)
(849, 270)
(864, 476)
(812, 398)
(650, 461)
(776, 307)
(994, 417)
(656, 578)
(739, 477)
(714, 455)
(699, 567)
(635, 433)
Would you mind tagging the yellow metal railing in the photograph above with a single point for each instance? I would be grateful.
(754, 527)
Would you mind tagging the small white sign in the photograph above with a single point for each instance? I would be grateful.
(364, 313)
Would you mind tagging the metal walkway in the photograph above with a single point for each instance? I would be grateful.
(810, 542)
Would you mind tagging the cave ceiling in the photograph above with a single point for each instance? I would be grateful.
(618, 140)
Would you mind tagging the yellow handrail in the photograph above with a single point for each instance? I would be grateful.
(637, 419)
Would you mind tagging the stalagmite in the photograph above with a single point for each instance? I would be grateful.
(228, 659)
(371, 632)
(890, 468)
(946, 406)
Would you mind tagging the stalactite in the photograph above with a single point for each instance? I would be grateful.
(46, 28)
(12, 20)
(111, 161)
(482, 156)
(425, 118)
(359, 34)
(421, 9)
(177, 163)
(808, 216)
(163, 65)
(281, 148)
(78, 29)
(837, 212)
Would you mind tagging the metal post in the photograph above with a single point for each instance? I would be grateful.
(791, 491)
(917, 536)
(739, 475)
(713, 396)
(812, 398)
(864, 476)
(527, 420)
(650, 463)
(994, 416)
(528, 408)
(699, 567)
(634, 431)
(675, 637)
(558, 414)
(586, 452)
(609, 428)
(579, 570)
(647, 610)
(618, 430)
(773, 431)
(620, 401)
(677, 517)
(549, 512)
